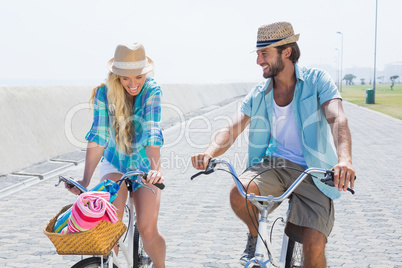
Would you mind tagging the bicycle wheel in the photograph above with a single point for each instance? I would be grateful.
(92, 262)
(141, 259)
(294, 254)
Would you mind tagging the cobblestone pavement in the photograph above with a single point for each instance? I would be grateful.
(196, 219)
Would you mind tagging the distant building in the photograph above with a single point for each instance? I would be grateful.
(383, 76)
(365, 73)
(392, 69)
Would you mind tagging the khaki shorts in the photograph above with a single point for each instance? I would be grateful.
(310, 207)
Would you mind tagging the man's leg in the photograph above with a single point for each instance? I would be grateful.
(239, 205)
(243, 211)
(256, 180)
(314, 248)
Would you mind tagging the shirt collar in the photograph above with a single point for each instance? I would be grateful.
(300, 72)
(269, 86)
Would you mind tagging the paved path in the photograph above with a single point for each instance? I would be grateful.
(196, 219)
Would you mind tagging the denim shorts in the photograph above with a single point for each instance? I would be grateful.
(107, 168)
(310, 207)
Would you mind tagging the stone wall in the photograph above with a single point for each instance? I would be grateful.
(39, 123)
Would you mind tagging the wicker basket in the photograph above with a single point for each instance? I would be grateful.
(97, 241)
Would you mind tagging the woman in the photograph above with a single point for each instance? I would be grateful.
(126, 135)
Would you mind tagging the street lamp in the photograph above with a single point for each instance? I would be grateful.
(337, 66)
(341, 59)
(375, 49)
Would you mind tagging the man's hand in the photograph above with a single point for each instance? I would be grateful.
(200, 161)
(344, 175)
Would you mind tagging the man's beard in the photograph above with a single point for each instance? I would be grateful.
(275, 68)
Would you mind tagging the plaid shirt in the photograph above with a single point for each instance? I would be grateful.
(146, 118)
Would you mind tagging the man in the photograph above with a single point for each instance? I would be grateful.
(296, 120)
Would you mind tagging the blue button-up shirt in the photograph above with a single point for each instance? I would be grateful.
(146, 119)
(313, 88)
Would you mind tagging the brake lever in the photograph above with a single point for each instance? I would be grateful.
(197, 174)
(206, 172)
(71, 183)
(142, 183)
(149, 188)
(210, 169)
(62, 179)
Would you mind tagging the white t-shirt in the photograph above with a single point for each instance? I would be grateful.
(285, 132)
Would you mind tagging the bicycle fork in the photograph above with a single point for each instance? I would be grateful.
(263, 256)
(127, 252)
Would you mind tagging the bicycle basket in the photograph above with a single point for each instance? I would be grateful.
(97, 241)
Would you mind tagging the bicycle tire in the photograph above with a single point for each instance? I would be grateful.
(294, 254)
(136, 246)
(92, 262)
(141, 259)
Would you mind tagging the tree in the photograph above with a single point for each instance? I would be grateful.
(393, 78)
(349, 79)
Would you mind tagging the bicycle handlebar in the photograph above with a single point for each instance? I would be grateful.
(139, 174)
(142, 175)
(328, 179)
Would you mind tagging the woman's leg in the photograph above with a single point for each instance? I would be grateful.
(147, 210)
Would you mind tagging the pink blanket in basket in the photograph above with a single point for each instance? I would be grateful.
(89, 210)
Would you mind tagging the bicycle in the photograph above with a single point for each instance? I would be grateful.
(291, 254)
(132, 249)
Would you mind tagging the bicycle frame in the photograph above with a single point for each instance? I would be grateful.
(127, 252)
(263, 254)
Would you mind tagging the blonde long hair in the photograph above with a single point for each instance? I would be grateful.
(120, 105)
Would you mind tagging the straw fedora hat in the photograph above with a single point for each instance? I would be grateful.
(130, 60)
(275, 34)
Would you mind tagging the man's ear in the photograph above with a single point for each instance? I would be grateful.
(287, 52)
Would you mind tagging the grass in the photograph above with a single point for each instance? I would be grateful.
(387, 101)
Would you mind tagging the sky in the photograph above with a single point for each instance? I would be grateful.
(205, 41)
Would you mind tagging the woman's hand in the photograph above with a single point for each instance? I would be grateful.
(74, 189)
(155, 176)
